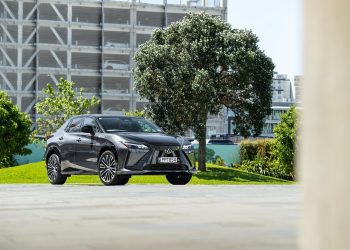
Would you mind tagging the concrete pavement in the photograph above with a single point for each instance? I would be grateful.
(148, 217)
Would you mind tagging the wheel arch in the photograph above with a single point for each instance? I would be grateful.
(51, 150)
(110, 148)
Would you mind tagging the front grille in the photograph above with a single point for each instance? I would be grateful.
(165, 154)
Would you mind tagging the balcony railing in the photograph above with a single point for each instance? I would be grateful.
(193, 3)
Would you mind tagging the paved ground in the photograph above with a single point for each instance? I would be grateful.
(148, 217)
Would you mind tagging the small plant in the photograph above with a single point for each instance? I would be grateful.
(219, 161)
(61, 104)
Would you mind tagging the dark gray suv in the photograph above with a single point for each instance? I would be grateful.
(115, 148)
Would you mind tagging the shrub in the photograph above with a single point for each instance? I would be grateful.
(250, 150)
(219, 161)
(259, 165)
(285, 142)
(265, 166)
(274, 157)
(15, 131)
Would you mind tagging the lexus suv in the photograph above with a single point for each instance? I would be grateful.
(115, 148)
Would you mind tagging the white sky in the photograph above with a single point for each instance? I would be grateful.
(279, 26)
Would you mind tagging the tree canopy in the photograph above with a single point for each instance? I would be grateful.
(195, 67)
(61, 104)
(15, 131)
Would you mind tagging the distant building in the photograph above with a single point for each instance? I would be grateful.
(216, 124)
(282, 100)
(90, 42)
(282, 88)
(298, 89)
(277, 109)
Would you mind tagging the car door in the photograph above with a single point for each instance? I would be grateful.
(88, 146)
(69, 139)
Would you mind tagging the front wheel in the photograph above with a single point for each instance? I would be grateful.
(179, 179)
(53, 166)
(107, 170)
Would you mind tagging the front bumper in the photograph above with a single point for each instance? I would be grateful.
(136, 162)
(125, 171)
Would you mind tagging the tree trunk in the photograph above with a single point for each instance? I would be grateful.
(201, 151)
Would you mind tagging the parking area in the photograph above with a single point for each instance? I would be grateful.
(148, 217)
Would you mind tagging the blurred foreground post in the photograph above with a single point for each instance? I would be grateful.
(325, 153)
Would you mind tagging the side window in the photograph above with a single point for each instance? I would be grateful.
(75, 125)
(90, 121)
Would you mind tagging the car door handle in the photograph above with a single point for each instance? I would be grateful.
(78, 140)
(61, 138)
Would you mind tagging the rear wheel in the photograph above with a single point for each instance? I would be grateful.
(179, 179)
(107, 170)
(53, 167)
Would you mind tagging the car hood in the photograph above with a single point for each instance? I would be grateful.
(157, 139)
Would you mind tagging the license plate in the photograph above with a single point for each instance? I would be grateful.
(167, 159)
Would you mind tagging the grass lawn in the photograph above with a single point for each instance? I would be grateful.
(36, 173)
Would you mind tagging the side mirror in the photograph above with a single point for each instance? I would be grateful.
(88, 129)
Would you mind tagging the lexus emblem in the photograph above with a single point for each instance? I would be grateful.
(168, 151)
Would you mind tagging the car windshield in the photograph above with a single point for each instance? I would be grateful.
(128, 124)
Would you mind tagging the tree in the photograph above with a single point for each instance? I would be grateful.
(138, 113)
(284, 146)
(15, 131)
(196, 66)
(60, 105)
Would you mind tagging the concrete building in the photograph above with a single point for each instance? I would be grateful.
(277, 109)
(282, 99)
(282, 88)
(297, 89)
(90, 42)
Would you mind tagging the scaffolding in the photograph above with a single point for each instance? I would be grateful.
(90, 42)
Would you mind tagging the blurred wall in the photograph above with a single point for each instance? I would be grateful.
(325, 151)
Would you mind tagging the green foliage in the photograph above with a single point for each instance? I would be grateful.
(219, 161)
(60, 105)
(15, 132)
(250, 150)
(260, 166)
(197, 66)
(138, 113)
(285, 142)
(273, 157)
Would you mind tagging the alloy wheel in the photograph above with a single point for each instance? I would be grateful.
(108, 167)
(52, 167)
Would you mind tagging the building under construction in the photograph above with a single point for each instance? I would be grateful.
(90, 42)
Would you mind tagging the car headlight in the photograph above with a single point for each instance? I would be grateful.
(134, 146)
(188, 148)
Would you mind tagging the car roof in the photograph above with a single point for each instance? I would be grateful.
(105, 115)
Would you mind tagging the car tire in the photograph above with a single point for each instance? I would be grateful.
(179, 179)
(53, 167)
(107, 170)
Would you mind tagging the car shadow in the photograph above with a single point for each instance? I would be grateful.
(229, 174)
